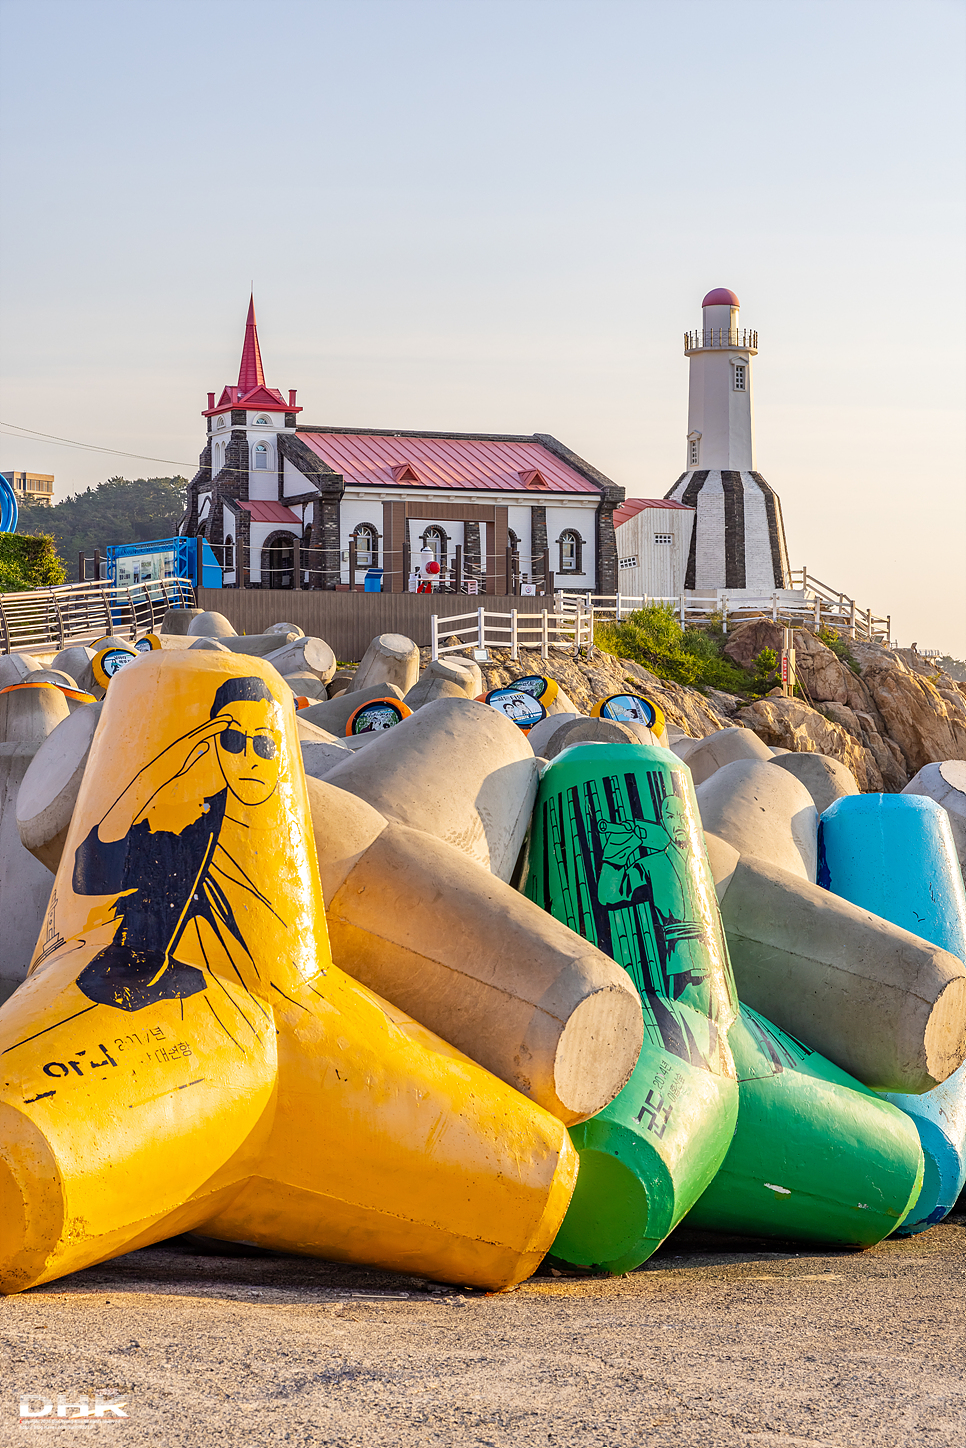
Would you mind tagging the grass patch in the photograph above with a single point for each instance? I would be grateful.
(653, 637)
(834, 641)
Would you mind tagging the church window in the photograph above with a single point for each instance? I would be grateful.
(220, 422)
(739, 377)
(262, 421)
(435, 538)
(261, 456)
(229, 563)
(569, 543)
(693, 452)
(663, 537)
(364, 548)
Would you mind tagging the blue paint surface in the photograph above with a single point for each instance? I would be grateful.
(894, 855)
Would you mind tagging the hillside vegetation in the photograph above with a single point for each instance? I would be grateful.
(28, 562)
(653, 637)
(121, 510)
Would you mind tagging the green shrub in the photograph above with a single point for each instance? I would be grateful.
(653, 637)
(28, 561)
(834, 641)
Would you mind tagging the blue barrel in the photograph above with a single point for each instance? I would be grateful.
(894, 854)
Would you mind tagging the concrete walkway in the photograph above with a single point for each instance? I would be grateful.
(756, 1347)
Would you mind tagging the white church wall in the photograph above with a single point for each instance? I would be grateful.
(519, 520)
(584, 522)
(293, 481)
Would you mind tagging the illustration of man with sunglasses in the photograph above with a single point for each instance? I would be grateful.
(170, 881)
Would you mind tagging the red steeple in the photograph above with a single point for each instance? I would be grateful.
(250, 372)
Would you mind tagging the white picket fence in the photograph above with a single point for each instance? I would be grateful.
(518, 629)
(813, 600)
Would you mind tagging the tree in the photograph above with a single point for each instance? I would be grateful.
(118, 511)
(28, 561)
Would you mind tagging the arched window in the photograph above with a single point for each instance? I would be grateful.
(229, 554)
(570, 549)
(263, 421)
(513, 540)
(220, 422)
(261, 456)
(435, 538)
(365, 536)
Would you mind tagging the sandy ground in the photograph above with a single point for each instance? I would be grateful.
(711, 1344)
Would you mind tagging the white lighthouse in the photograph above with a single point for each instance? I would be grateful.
(739, 538)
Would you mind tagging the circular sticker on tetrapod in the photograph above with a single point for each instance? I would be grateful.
(629, 709)
(521, 708)
(540, 687)
(376, 715)
(106, 664)
(147, 644)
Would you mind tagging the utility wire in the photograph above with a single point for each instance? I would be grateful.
(88, 446)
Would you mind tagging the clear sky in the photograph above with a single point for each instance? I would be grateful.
(501, 215)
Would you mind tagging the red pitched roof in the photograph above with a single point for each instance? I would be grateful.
(265, 511)
(444, 462)
(633, 506)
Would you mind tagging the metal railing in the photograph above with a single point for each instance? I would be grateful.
(75, 613)
(713, 337)
(486, 628)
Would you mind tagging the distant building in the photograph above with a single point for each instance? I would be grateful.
(653, 544)
(31, 487)
(268, 481)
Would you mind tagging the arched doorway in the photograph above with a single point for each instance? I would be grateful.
(278, 561)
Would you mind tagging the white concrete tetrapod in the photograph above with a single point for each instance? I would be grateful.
(212, 645)
(389, 659)
(594, 731)
(45, 804)
(725, 746)
(321, 755)
(14, 668)
(51, 676)
(306, 686)
(210, 625)
(764, 812)
(334, 714)
(29, 712)
(543, 731)
(261, 645)
(886, 1006)
(292, 629)
(312, 732)
(461, 674)
(490, 972)
(455, 769)
(75, 662)
(946, 784)
(179, 620)
(826, 779)
(429, 689)
(305, 655)
(24, 882)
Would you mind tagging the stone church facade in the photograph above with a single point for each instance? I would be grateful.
(268, 481)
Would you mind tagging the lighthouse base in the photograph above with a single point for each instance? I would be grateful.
(739, 537)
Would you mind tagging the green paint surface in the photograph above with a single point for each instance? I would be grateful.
(617, 853)
(816, 1156)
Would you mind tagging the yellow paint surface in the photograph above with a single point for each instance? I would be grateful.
(184, 1055)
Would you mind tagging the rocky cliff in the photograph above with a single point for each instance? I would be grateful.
(883, 712)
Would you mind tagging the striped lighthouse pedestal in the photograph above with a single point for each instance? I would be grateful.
(739, 537)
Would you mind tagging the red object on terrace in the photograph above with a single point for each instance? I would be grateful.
(494, 464)
(250, 372)
(721, 297)
(633, 506)
(263, 510)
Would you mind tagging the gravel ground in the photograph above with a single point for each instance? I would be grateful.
(712, 1344)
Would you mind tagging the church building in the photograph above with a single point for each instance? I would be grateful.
(269, 481)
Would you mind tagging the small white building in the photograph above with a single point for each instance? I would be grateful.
(653, 543)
